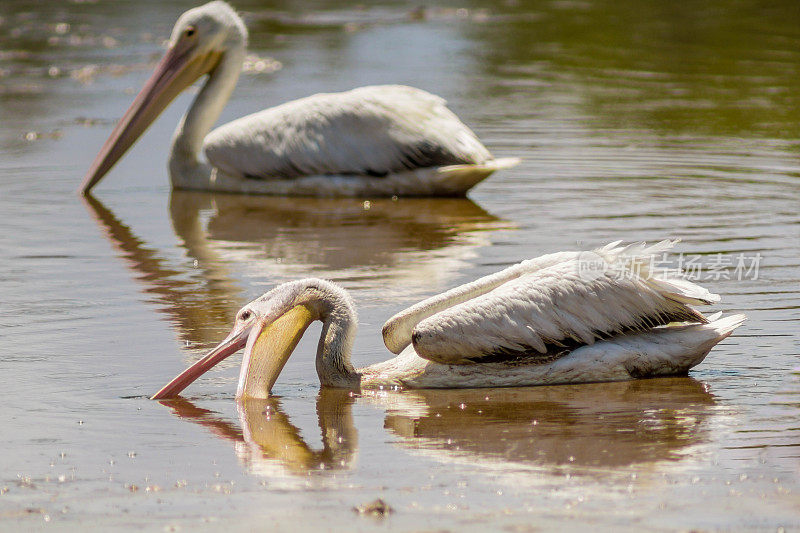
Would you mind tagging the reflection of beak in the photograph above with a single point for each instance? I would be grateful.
(232, 344)
(268, 347)
(178, 69)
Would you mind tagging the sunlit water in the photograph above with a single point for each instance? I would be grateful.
(634, 121)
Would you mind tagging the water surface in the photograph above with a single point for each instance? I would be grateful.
(634, 121)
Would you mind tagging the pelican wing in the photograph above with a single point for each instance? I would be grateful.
(373, 130)
(546, 313)
(398, 329)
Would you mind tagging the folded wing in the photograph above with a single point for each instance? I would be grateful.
(546, 313)
(398, 329)
(374, 131)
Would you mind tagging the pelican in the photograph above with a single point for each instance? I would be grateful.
(567, 317)
(380, 140)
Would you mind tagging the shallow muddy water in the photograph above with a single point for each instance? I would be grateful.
(633, 120)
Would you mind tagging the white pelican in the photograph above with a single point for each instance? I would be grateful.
(568, 317)
(372, 141)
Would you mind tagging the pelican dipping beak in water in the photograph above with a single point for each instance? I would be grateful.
(543, 321)
(372, 141)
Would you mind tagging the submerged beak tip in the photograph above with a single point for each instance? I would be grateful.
(161, 395)
(93, 176)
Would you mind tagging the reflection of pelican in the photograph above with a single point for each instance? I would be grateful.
(413, 243)
(547, 320)
(416, 243)
(378, 140)
(267, 437)
(194, 308)
(597, 425)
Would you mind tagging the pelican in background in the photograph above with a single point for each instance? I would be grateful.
(567, 317)
(380, 140)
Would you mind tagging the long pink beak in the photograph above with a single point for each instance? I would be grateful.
(178, 69)
(232, 344)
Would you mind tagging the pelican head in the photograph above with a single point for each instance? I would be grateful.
(269, 329)
(200, 40)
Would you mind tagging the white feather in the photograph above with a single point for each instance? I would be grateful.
(373, 131)
(660, 352)
(524, 310)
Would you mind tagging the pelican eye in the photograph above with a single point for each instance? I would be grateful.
(245, 315)
(190, 31)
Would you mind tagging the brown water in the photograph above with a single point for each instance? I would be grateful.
(634, 121)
